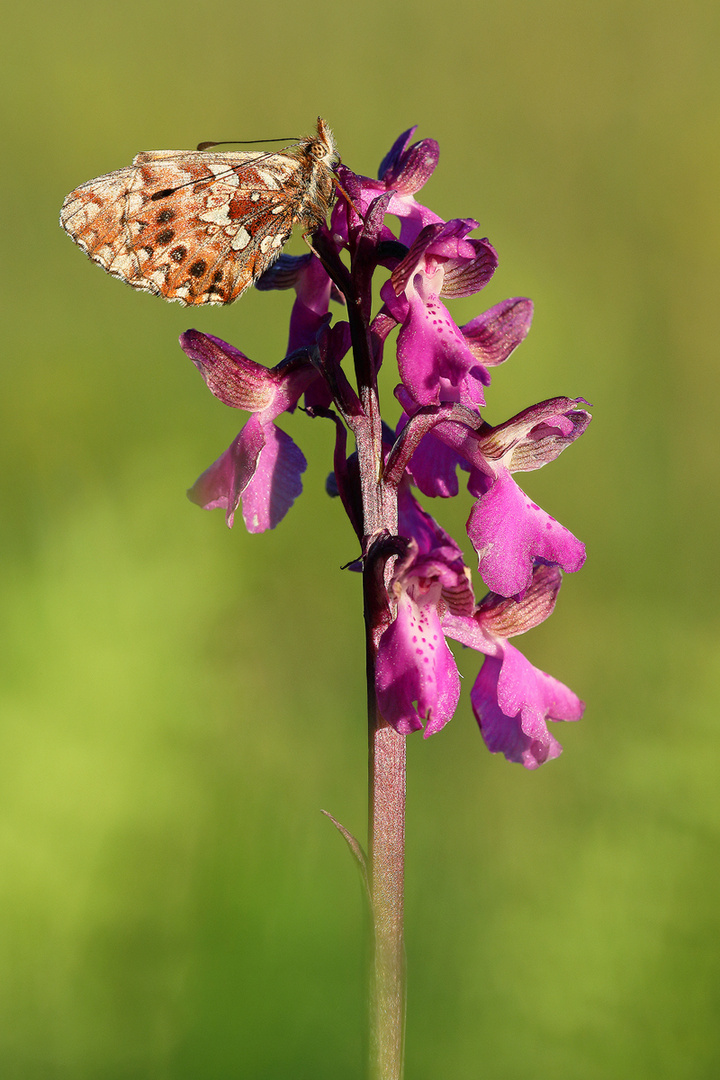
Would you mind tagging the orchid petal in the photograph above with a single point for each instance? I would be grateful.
(276, 482)
(416, 676)
(223, 483)
(512, 702)
(510, 532)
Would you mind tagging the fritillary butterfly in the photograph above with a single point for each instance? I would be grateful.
(200, 227)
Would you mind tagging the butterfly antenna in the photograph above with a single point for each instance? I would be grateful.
(240, 142)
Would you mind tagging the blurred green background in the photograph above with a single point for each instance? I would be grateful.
(179, 701)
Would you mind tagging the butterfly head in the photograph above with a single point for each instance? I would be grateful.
(321, 148)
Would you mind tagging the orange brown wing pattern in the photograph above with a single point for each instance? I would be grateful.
(193, 227)
(200, 227)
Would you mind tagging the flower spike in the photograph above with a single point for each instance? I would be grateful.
(417, 582)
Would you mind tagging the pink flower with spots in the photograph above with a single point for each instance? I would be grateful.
(416, 676)
(435, 359)
(417, 681)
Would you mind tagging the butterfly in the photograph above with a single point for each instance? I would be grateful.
(200, 227)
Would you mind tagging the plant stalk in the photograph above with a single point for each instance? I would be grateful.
(386, 749)
(386, 819)
(386, 873)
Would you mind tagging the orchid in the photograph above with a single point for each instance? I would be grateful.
(414, 663)
(508, 531)
(262, 466)
(435, 361)
(511, 699)
(418, 591)
(403, 171)
(444, 370)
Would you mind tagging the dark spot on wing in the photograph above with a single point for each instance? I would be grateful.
(198, 268)
(164, 216)
(178, 254)
(165, 236)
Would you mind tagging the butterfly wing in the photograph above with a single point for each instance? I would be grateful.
(189, 226)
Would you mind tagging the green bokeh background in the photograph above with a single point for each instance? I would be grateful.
(179, 701)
